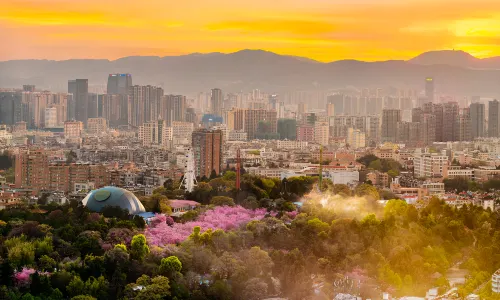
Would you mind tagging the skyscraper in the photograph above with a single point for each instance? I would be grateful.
(287, 129)
(428, 129)
(207, 151)
(451, 122)
(173, 108)
(429, 89)
(80, 90)
(493, 118)
(119, 84)
(338, 102)
(10, 108)
(390, 120)
(248, 120)
(216, 99)
(477, 118)
(144, 104)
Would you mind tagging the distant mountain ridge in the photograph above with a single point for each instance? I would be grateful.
(455, 72)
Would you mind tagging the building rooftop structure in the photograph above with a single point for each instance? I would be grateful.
(113, 196)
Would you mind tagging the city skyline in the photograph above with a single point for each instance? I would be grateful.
(324, 31)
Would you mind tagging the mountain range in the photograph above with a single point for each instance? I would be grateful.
(455, 72)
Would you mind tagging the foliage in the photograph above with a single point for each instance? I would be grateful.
(138, 247)
(221, 201)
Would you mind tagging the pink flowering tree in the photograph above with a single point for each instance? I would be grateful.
(22, 278)
(221, 217)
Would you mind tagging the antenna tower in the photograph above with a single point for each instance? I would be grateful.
(189, 180)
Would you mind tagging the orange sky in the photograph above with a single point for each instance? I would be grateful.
(324, 30)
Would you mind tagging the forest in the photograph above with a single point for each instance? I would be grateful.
(251, 244)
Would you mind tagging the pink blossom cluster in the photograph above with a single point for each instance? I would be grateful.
(22, 278)
(221, 217)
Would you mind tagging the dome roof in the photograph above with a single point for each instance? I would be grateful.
(113, 196)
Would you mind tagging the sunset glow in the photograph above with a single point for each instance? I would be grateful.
(319, 29)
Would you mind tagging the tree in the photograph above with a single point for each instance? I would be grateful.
(375, 165)
(366, 190)
(150, 289)
(367, 159)
(138, 247)
(170, 266)
(88, 242)
(76, 287)
(255, 289)
(222, 201)
(459, 184)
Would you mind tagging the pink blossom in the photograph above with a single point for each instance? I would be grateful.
(292, 214)
(22, 278)
(221, 217)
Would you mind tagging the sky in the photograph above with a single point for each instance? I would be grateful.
(324, 30)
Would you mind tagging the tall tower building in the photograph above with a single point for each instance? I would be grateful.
(338, 102)
(451, 122)
(173, 108)
(493, 118)
(119, 84)
(429, 89)
(428, 128)
(390, 120)
(207, 152)
(144, 104)
(80, 90)
(438, 111)
(216, 99)
(477, 119)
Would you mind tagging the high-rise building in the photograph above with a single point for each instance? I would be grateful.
(248, 120)
(416, 114)
(438, 111)
(429, 89)
(390, 120)
(144, 104)
(153, 133)
(451, 122)
(330, 110)
(119, 84)
(322, 133)
(493, 118)
(356, 138)
(216, 99)
(465, 127)
(97, 126)
(305, 133)
(11, 110)
(93, 108)
(409, 133)
(29, 88)
(173, 108)
(287, 129)
(73, 129)
(31, 169)
(182, 132)
(114, 108)
(477, 119)
(338, 102)
(50, 117)
(428, 129)
(79, 88)
(207, 151)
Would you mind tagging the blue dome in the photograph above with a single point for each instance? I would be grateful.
(113, 196)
